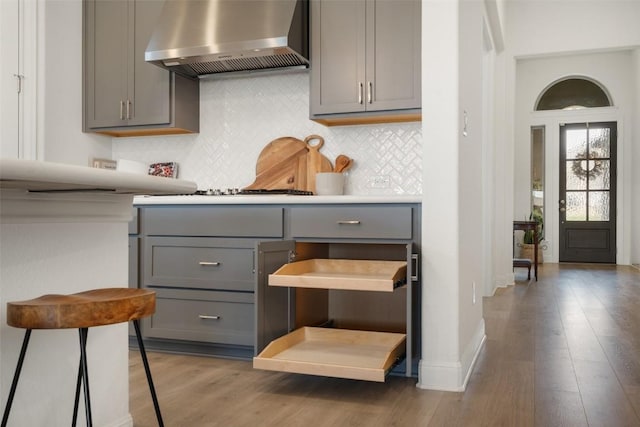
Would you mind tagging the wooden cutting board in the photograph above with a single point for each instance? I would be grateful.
(316, 162)
(289, 163)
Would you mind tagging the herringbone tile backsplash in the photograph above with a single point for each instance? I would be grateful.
(240, 115)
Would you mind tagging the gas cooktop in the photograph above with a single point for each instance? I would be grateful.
(236, 191)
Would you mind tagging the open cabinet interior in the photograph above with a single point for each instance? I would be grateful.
(347, 333)
(351, 309)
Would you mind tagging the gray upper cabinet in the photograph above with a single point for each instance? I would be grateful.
(124, 95)
(365, 58)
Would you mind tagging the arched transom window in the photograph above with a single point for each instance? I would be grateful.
(572, 94)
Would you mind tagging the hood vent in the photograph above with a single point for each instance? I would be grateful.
(203, 37)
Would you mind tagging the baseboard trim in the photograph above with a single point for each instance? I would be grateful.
(452, 376)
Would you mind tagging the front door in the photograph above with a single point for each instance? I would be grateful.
(588, 192)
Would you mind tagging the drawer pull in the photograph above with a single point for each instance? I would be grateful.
(350, 222)
(415, 259)
(209, 263)
(206, 316)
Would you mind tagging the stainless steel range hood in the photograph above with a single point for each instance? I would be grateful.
(202, 37)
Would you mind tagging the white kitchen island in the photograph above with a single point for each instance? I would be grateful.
(63, 229)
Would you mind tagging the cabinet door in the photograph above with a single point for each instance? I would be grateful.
(393, 54)
(149, 86)
(106, 24)
(337, 56)
(272, 308)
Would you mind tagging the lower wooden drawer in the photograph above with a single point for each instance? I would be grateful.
(204, 316)
(360, 355)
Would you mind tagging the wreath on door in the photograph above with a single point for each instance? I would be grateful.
(580, 168)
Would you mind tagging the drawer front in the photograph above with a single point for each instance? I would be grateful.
(385, 222)
(222, 221)
(199, 263)
(204, 316)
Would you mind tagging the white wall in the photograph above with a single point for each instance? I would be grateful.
(440, 363)
(240, 115)
(471, 191)
(614, 71)
(59, 95)
(453, 228)
(567, 33)
(9, 60)
(551, 27)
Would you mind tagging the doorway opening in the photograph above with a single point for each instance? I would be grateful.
(582, 170)
(587, 189)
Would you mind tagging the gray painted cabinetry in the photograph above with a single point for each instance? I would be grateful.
(209, 265)
(365, 57)
(123, 95)
(200, 260)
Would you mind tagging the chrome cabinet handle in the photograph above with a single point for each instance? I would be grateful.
(209, 263)
(121, 110)
(128, 109)
(414, 277)
(370, 93)
(360, 89)
(206, 316)
(349, 222)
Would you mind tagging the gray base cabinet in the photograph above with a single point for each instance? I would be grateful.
(200, 260)
(122, 94)
(203, 316)
(366, 59)
(209, 265)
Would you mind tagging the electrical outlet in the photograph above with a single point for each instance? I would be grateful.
(379, 181)
(473, 297)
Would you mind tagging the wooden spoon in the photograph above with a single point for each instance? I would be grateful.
(342, 163)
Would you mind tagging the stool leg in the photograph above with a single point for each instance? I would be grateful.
(14, 383)
(145, 362)
(84, 376)
(77, 399)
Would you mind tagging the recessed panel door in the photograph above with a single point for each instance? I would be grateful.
(588, 192)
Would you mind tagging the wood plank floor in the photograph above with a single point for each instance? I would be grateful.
(563, 351)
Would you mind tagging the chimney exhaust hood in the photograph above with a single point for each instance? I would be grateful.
(202, 37)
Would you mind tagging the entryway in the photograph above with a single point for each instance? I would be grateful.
(587, 190)
(574, 145)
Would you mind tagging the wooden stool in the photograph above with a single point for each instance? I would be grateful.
(81, 311)
(524, 263)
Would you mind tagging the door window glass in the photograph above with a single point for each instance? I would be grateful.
(588, 173)
(577, 206)
(598, 206)
(537, 174)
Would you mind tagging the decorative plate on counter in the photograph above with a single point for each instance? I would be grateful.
(166, 169)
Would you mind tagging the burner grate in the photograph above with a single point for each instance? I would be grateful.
(290, 191)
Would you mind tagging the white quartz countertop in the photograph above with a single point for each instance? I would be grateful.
(274, 199)
(38, 176)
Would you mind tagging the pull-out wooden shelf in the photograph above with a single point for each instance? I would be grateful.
(360, 355)
(345, 274)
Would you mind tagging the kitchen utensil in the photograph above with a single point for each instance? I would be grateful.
(316, 162)
(329, 183)
(342, 163)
